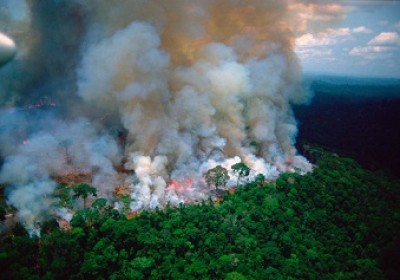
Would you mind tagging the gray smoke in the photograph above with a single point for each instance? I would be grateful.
(169, 89)
(54, 148)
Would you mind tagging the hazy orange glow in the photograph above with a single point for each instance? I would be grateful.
(225, 23)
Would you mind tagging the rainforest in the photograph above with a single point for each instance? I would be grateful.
(339, 222)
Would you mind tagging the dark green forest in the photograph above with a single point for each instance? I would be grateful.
(355, 117)
(338, 222)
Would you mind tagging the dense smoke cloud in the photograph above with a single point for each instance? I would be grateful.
(187, 85)
(36, 156)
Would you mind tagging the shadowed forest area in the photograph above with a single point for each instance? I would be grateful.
(355, 117)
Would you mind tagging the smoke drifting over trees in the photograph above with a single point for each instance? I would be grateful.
(190, 85)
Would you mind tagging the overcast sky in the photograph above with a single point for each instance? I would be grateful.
(365, 42)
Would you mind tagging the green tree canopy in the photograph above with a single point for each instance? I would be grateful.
(99, 204)
(217, 176)
(84, 191)
(338, 222)
(241, 170)
(260, 179)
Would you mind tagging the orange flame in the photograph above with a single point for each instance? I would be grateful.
(180, 186)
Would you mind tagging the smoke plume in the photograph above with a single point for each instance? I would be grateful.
(166, 89)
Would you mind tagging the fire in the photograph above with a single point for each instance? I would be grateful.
(64, 224)
(180, 186)
(122, 190)
(289, 161)
(132, 215)
(186, 78)
(72, 178)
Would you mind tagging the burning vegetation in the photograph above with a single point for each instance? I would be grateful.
(311, 226)
(135, 98)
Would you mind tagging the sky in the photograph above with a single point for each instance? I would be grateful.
(364, 41)
(350, 38)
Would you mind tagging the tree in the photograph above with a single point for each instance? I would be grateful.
(260, 179)
(126, 200)
(99, 203)
(241, 170)
(316, 227)
(217, 176)
(3, 213)
(63, 192)
(84, 190)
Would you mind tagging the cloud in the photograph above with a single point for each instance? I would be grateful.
(372, 52)
(381, 46)
(311, 45)
(338, 32)
(314, 14)
(313, 52)
(385, 39)
(361, 30)
(363, 50)
(329, 37)
(310, 40)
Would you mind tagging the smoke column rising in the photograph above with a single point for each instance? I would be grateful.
(192, 84)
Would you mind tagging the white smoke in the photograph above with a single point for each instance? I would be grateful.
(34, 202)
(184, 111)
(187, 86)
(56, 150)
